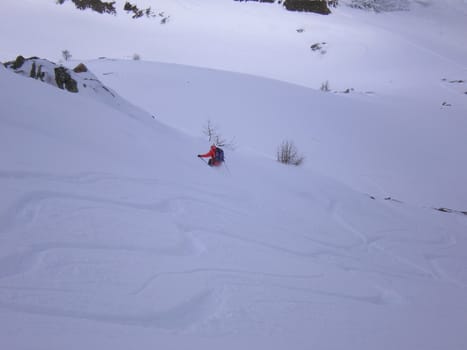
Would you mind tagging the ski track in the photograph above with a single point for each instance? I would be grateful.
(29, 259)
(264, 280)
(26, 210)
(199, 307)
(316, 296)
(342, 260)
(80, 178)
(30, 213)
(368, 244)
(152, 279)
(430, 269)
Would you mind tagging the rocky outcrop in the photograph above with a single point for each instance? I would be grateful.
(79, 80)
(37, 73)
(45, 71)
(95, 5)
(64, 80)
(316, 6)
(72, 80)
(270, 1)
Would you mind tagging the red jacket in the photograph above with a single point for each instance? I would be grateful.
(212, 154)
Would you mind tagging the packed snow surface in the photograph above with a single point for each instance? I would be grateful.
(114, 235)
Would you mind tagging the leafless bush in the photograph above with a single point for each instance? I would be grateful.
(325, 86)
(66, 55)
(213, 135)
(287, 153)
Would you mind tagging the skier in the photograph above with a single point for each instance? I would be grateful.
(216, 154)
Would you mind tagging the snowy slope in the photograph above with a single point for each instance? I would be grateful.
(404, 150)
(114, 235)
(405, 72)
(382, 52)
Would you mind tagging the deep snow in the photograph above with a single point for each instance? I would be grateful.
(114, 235)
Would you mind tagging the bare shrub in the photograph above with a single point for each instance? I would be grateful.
(325, 86)
(66, 55)
(287, 153)
(213, 135)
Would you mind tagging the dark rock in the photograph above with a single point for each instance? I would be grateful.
(270, 1)
(40, 74)
(80, 68)
(95, 5)
(316, 6)
(18, 63)
(64, 80)
(317, 46)
(32, 74)
(392, 200)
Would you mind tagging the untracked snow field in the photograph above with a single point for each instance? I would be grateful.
(114, 235)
